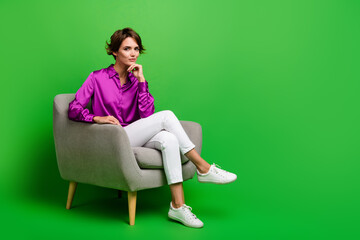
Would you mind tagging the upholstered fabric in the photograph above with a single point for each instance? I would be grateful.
(150, 158)
(100, 154)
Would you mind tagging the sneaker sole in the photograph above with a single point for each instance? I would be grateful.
(220, 183)
(179, 220)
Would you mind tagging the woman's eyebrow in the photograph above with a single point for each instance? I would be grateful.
(130, 46)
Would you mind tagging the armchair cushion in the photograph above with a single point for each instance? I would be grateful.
(151, 158)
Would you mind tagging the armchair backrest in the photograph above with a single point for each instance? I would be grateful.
(61, 120)
(61, 102)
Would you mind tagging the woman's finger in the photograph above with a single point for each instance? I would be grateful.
(109, 119)
(131, 67)
(134, 67)
(114, 120)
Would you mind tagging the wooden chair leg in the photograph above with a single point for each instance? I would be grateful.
(132, 207)
(72, 188)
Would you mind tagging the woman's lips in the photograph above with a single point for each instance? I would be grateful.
(132, 60)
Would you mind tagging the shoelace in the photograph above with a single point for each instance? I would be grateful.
(216, 165)
(188, 210)
(221, 173)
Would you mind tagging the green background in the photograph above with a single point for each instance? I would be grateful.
(274, 84)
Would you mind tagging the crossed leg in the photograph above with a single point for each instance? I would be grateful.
(163, 131)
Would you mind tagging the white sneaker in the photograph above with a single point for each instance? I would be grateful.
(216, 175)
(185, 216)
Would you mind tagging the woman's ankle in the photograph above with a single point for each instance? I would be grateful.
(176, 205)
(204, 169)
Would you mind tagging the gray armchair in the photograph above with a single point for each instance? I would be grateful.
(100, 154)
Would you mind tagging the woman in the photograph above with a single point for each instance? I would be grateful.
(120, 95)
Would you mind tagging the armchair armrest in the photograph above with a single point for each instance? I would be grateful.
(194, 132)
(98, 154)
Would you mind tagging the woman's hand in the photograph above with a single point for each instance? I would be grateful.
(137, 71)
(107, 119)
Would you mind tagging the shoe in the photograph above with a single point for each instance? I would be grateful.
(185, 216)
(216, 175)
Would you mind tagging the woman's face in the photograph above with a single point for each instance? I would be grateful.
(128, 52)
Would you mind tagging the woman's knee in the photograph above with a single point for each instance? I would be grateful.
(168, 113)
(168, 139)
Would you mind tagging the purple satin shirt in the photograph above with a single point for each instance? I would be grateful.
(127, 103)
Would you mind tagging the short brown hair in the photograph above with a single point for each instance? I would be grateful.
(118, 37)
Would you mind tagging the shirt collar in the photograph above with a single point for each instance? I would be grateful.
(112, 73)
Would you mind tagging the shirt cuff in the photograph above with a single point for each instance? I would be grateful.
(89, 118)
(143, 86)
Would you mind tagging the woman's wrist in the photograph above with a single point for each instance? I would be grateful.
(141, 79)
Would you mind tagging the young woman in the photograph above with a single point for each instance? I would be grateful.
(120, 95)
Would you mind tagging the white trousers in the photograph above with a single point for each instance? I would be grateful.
(162, 131)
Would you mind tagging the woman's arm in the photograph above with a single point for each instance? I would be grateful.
(77, 110)
(145, 99)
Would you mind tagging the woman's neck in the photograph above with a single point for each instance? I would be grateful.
(121, 70)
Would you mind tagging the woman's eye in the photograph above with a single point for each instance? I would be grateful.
(137, 49)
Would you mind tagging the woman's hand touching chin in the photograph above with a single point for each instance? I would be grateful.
(137, 71)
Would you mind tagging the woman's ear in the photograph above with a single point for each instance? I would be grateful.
(114, 53)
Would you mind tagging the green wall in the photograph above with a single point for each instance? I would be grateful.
(274, 84)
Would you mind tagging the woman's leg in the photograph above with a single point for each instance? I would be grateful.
(177, 194)
(142, 130)
(168, 144)
(201, 165)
